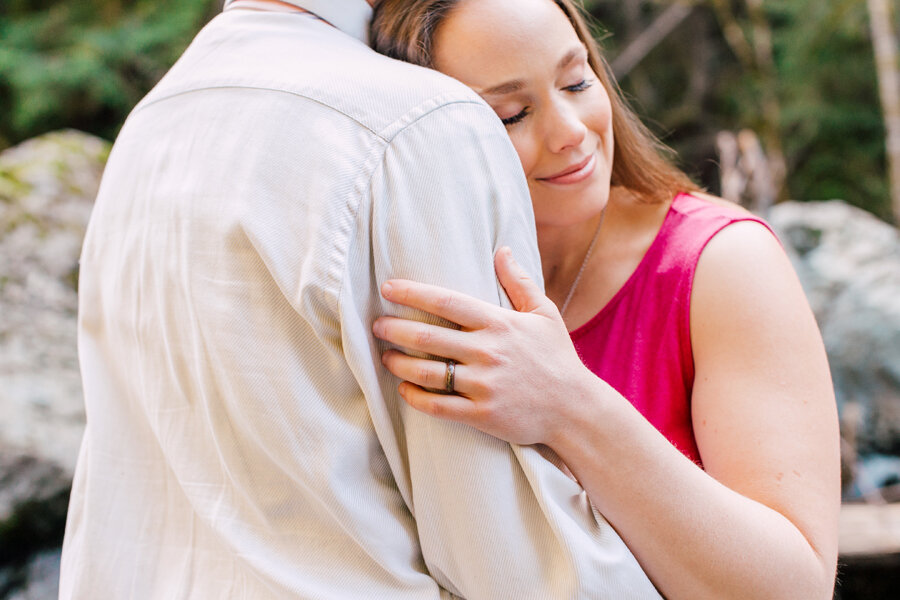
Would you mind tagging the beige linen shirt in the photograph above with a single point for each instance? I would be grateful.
(243, 440)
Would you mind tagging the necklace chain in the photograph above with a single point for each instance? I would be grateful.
(584, 263)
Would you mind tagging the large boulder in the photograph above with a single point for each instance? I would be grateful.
(47, 189)
(849, 264)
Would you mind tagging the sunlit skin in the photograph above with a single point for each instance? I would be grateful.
(559, 120)
(556, 111)
(761, 520)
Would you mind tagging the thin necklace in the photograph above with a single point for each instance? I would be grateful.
(584, 263)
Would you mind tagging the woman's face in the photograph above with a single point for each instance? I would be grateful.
(525, 59)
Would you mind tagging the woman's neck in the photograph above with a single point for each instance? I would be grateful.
(563, 248)
(564, 253)
(629, 226)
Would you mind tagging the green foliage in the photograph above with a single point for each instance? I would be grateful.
(692, 85)
(86, 64)
(831, 116)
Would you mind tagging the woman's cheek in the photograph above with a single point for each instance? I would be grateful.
(527, 152)
(604, 110)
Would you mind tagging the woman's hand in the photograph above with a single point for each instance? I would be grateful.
(514, 370)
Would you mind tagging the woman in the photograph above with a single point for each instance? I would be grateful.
(705, 429)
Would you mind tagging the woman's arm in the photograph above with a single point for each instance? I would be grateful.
(761, 522)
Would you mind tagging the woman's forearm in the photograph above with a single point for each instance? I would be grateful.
(695, 537)
(759, 522)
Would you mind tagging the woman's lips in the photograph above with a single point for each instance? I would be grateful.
(575, 173)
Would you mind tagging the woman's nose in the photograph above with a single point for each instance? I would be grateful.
(565, 127)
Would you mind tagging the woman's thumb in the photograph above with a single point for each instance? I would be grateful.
(525, 295)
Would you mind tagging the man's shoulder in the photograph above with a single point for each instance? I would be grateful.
(315, 63)
(388, 94)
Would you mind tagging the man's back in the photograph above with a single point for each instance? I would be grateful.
(242, 439)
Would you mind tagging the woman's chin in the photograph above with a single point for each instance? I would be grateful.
(562, 207)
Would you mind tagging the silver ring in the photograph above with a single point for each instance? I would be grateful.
(450, 378)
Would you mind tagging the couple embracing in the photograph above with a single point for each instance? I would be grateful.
(408, 304)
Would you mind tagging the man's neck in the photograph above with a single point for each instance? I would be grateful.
(273, 5)
(350, 16)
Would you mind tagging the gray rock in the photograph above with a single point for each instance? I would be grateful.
(47, 189)
(849, 264)
(34, 496)
(41, 578)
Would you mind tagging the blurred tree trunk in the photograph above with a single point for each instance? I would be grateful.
(649, 38)
(754, 52)
(631, 10)
(885, 45)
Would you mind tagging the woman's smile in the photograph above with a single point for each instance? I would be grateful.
(574, 173)
(531, 67)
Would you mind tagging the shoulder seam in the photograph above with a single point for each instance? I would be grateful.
(176, 93)
(387, 134)
(419, 112)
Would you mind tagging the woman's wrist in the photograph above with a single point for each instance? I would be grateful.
(579, 416)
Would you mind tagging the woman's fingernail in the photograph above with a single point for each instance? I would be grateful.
(386, 289)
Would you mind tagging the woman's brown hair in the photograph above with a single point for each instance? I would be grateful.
(405, 29)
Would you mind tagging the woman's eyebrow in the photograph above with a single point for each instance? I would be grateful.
(571, 55)
(504, 88)
(515, 85)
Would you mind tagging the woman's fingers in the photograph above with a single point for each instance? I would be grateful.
(464, 310)
(443, 406)
(523, 292)
(423, 372)
(423, 337)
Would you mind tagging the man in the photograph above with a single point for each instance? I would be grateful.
(243, 440)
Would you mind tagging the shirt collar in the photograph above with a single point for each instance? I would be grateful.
(350, 16)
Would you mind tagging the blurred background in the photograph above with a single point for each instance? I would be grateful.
(790, 107)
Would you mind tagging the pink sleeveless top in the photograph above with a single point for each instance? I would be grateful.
(640, 342)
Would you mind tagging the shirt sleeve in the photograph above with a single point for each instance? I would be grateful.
(494, 520)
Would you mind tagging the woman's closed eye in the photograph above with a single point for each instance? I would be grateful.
(580, 86)
(515, 118)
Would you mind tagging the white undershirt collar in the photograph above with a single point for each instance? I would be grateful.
(350, 16)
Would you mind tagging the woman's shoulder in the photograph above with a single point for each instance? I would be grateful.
(698, 217)
(717, 201)
(743, 259)
(701, 204)
(706, 240)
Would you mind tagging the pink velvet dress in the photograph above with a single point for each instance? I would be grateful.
(640, 342)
